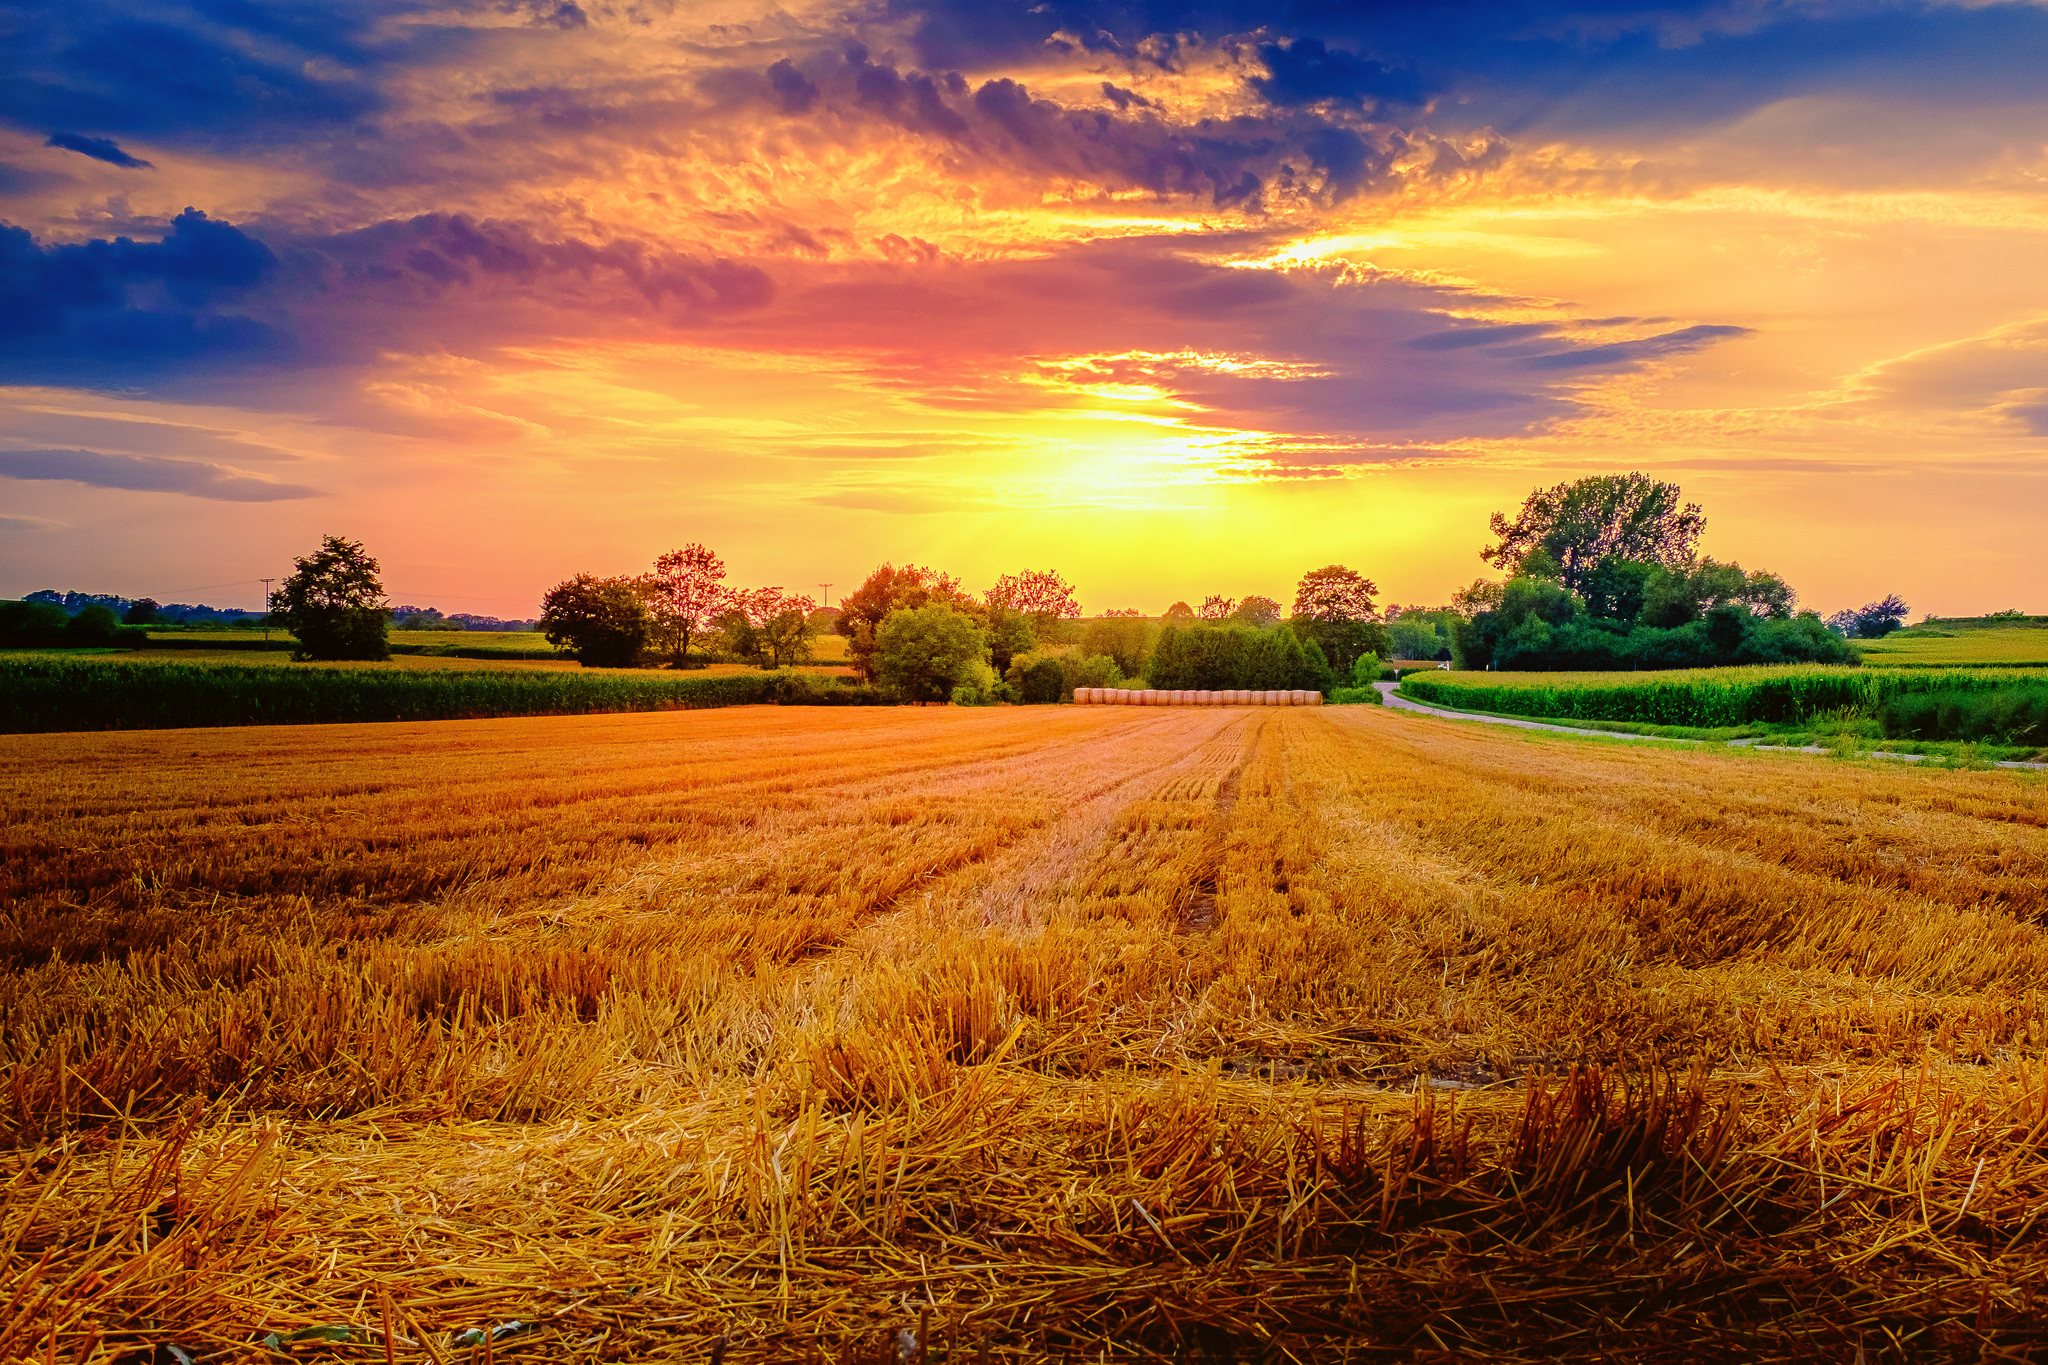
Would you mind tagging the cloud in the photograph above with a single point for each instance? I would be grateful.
(99, 149)
(1239, 161)
(1304, 71)
(103, 310)
(147, 473)
(1999, 378)
(1331, 361)
(211, 298)
(12, 523)
(207, 70)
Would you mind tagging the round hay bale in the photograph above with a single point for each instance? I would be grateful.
(1269, 698)
(1315, 699)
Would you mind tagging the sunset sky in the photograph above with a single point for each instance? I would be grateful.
(1173, 298)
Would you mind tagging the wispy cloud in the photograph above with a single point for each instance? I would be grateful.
(149, 474)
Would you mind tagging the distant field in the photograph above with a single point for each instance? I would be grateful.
(2023, 646)
(1082, 1033)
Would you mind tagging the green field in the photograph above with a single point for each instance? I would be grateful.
(1719, 698)
(1940, 645)
(437, 644)
(48, 691)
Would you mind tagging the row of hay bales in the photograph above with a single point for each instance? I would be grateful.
(1234, 696)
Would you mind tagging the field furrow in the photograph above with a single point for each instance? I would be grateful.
(1120, 1032)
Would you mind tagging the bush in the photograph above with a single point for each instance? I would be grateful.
(114, 694)
(1088, 670)
(1704, 698)
(1356, 696)
(32, 620)
(2015, 716)
(96, 625)
(1041, 683)
(924, 653)
(1367, 670)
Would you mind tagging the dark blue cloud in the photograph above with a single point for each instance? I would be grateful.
(1304, 71)
(1530, 64)
(99, 149)
(228, 71)
(210, 298)
(115, 311)
(1232, 162)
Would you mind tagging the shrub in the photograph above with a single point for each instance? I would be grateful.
(96, 625)
(2014, 716)
(39, 694)
(1366, 695)
(1703, 698)
(1041, 683)
(924, 653)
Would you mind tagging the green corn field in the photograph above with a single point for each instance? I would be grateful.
(45, 694)
(1700, 697)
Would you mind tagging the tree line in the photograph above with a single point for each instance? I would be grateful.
(1604, 573)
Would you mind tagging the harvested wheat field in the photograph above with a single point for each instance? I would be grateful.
(1022, 1033)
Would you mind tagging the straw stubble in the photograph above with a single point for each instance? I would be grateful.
(1023, 1032)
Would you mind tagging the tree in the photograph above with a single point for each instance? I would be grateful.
(603, 621)
(95, 625)
(1629, 516)
(1009, 634)
(1124, 638)
(686, 594)
(890, 589)
(1335, 593)
(1333, 606)
(1041, 595)
(1872, 620)
(143, 611)
(778, 627)
(333, 602)
(1216, 608)
(923, 653)
(1257, 612)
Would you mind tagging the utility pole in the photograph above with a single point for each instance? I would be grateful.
(828, 593)
(266, 608)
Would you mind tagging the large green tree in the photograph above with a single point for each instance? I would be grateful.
(1334, 607)
(892, 589)
(333, 602)
(923, 653)
(1577, 524)
(602, 621)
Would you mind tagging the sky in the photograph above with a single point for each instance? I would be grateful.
(1172, 298)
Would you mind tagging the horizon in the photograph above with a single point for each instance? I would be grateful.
(514, 291)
